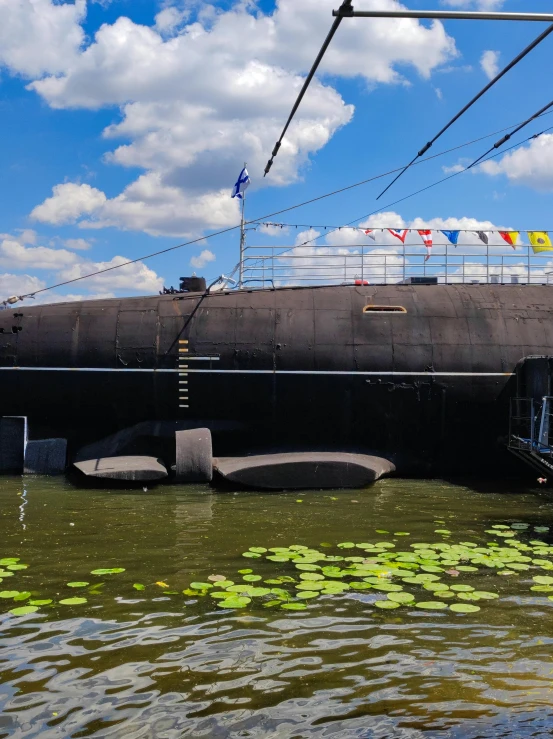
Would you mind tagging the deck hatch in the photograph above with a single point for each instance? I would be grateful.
(384, 309)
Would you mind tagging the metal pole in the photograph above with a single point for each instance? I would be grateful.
(345, 12)
(528, 265)
(242, 239)
(488, 261)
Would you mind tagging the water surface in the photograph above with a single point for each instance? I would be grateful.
(145, 664)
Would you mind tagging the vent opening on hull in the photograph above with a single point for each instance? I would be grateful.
(384, 309)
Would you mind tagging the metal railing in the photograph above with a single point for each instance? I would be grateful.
(530, 425)
(381, 264)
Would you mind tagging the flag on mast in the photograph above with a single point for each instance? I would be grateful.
(426, 236)
(242, 183)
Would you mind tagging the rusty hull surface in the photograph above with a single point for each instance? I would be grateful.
(287, 366)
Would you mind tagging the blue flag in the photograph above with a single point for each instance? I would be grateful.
(452, 236)
(242, 183)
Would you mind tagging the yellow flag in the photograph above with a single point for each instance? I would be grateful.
(540, 241)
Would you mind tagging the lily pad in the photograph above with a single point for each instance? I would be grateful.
(201, 585)
(461, 588)
(346, 545)
(311, 576)
(77, 584)
(537, 529)
(234, 602)
(305, 594)
(40, 602)
(543, 580)
(139, 586)
(22, 596)
(8, 593)
(15, 567)
(485, 595)
(401, 597)
(386, 604)
(24, 610)
(72, 601)
(463, 608)
(252, 578)
(431, 605)
(294, 606)
(257, 550)
(255, 555)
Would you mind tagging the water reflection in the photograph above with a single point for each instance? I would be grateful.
(133, 666)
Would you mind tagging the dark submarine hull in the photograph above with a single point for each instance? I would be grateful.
(286, 369)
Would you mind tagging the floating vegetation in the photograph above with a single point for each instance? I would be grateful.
(446, 576)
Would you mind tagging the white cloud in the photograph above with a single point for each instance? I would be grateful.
(530, 165)
(456, 168)
(69, 202)
(202, 259)
(38, 36)
(16, 254)
(136, 277)
(79, 244)
(489, 62)
(185, 99)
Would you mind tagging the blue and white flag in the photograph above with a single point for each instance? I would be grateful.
(242, 183)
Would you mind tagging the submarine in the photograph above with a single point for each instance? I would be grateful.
(416, 379)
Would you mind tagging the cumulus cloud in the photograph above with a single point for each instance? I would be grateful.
(62, 264)
(79, 244)
(69, 202)
(40, 37)
(489, 61)
(202, 259)
(186, 90)
(530, 165)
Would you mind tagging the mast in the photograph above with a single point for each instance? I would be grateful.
(242, 237)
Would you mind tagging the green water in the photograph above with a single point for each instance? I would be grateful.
(145, 664)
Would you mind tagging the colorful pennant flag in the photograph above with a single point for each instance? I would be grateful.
(540, 241)
(511, 237)
(399, 233)
(483, 236)
(452, 236)
(426, 236)
(370, 234)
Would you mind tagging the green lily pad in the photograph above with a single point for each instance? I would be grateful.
(294, 606)
(436, 587)
(72, 601)
(305, 594)
(24, 610)
(252, 578)
(431, 605)
(401, 533)
(77, 584)
(485, 595)
(311, 576)
(255, 555)
(401, 597)
(219, 594)
(22, 596)
(271, 603)
(461, 588)
(442, 531)
(139, 586)
(386, 604)
(16, 567)
(537, 529)
(346, 545)
(272, 557)
(467, 568)
(468, 596)
(543, 580)
(234, 602)
(245, 572)
(542, 588)
(308, 568)
(520, 526)
(40, 602)
(8, 593)
(201, 585)
(258, 592)
(463, 608)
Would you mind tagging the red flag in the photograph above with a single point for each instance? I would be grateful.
(369, 233)
(399, 233)
(426, 236)
(511, 237)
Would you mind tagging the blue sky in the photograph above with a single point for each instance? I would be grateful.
(125, 123)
